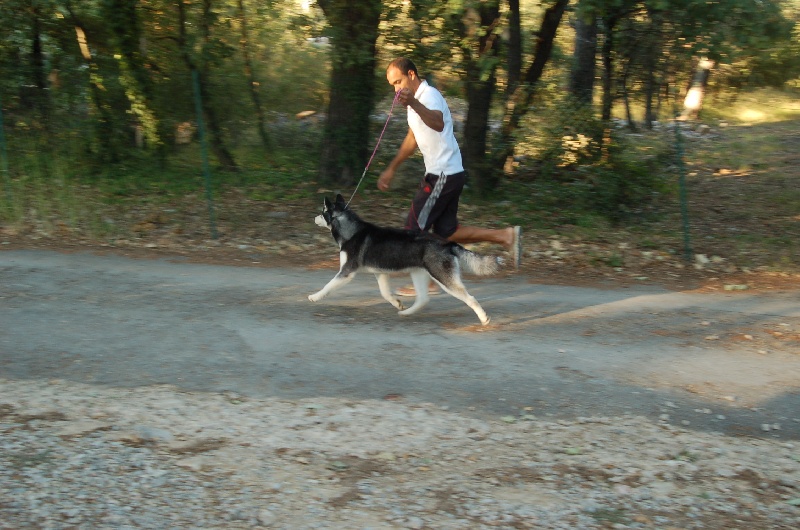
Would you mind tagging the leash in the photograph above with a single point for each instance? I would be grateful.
(396, 95)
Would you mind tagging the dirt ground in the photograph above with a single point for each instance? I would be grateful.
(230, 461)
(744, 225)
(252, 234)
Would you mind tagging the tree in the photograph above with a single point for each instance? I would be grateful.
(108, 150)
(651, 43)
(203, 69)
(252, 83)
(582, 74)
(354, 32)
(513, 47)
(480, 44)
(520, 99)
(123, 20)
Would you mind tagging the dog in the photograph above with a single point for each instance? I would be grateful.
(380, 250)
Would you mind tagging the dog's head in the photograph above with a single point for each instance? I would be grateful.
(330, 210)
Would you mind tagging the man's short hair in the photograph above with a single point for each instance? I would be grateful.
(405, 65)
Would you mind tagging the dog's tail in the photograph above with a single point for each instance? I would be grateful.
(473, 263)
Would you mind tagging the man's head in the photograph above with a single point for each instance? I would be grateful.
(402, 73)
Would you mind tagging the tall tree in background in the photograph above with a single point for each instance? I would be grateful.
(354, 32)
(202, 65)
(128, 37)
(39, 98)
(252, 82)
(652, 44)
(513, 47)
(652, 63)
(519, 102)
(582, 73)
(107, 151)
(480, 29)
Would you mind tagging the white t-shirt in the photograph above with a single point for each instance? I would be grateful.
(439, 149)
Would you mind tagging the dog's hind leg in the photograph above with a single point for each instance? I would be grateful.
(421, 278)
(455, 287)
(386, 290)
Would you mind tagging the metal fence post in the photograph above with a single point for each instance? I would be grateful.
(4, 158)
(687, 244)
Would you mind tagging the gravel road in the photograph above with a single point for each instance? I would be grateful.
(156, 394)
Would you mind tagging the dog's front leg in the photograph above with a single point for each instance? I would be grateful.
(386, 290)
(341, 279)
(337, 282)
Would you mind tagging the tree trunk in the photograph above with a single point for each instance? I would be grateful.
(38, 96)
(626, 95)
(480, 83)
(218, 145)
(216, 141)
(517, 105)
(104, 127)
(347, 129)
(581, 81)
(252, 84)
(123, 21)
(650, 90)
(608, 68)
(651, 62)
(514, 47)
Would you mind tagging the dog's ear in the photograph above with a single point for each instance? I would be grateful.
(328, 204)
(340, 201)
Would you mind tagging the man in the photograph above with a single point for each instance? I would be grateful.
(435, 206)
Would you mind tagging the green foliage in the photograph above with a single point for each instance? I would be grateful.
(137, 80)
(593, 167)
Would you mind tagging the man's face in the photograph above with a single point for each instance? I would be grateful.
(399, 81)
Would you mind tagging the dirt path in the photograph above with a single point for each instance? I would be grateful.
(727, 362)
(160, 393)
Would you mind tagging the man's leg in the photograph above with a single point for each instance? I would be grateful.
(510, 238)
(473, 234)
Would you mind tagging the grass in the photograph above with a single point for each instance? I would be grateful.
(743, 188)
(610, 516)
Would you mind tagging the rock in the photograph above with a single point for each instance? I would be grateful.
(266, 517)
(153, 434)
(81, 428)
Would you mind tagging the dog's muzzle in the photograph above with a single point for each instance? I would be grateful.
(320, 221)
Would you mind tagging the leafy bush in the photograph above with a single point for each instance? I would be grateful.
(600, 170)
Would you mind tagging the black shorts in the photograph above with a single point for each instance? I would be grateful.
(435, 206)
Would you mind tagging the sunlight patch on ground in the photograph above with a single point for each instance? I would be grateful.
(752, 115)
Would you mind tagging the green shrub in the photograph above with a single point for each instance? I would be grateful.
(597, 168)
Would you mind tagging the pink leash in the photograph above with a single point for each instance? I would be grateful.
(376, 148)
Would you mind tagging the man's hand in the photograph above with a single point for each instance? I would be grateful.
(405, 97)
(385, 179)
(432, 118)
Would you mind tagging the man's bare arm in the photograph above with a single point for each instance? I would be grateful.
(432, 118)
(407, 148)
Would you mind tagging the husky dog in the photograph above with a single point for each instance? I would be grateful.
(380, 250)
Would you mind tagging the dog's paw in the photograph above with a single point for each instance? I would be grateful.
(314, 297)
(398, 304)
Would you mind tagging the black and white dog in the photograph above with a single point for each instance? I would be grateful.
(365, 246)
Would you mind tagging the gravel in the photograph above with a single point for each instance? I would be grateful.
(81, 456)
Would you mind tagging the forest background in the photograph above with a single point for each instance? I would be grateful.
(640, 131)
